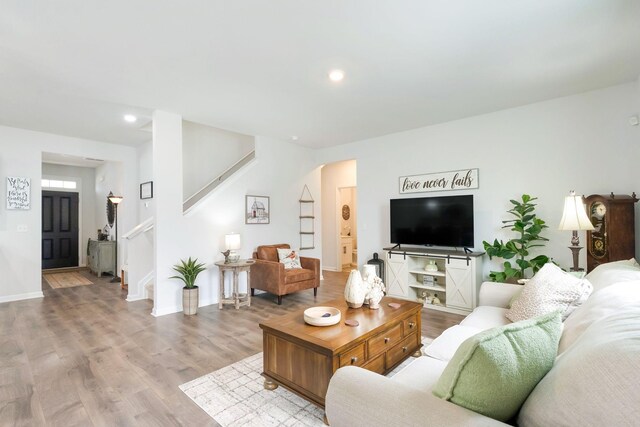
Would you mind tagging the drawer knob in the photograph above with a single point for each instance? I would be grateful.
(411, 325)
(386, 340)
(404, 349)
(354, 359)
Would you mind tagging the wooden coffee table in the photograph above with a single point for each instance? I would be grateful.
(303, 358)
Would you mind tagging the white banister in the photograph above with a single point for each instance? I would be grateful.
(143, 227)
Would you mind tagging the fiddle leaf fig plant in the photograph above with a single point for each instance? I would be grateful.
(188, 271)
(528, 228)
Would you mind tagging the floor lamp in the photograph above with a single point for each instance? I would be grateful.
(116, 201)
(574, 218)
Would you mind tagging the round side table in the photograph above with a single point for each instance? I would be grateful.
(236, 268)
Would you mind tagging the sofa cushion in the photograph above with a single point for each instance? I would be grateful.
(486, 317)
(493, 372)
(421, 374)
(298, 275)
(270, 252)
(595, 382)
(613, 272)
(289, 258)
(445, 346)
(551, 289)
(601, 304)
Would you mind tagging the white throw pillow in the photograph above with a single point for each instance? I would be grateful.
(289, 258)
(549, 290)
(613, 272)
(601, 304)
(593, 383)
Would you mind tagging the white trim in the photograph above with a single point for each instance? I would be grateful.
(330, 268)
(20, 297)
(164, 311)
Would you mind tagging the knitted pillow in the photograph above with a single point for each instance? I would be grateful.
(551, 289)
(493, 372)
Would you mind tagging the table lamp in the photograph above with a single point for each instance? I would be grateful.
(574, 218)
(232, 243)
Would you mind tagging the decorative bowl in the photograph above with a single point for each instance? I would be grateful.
(322, 316)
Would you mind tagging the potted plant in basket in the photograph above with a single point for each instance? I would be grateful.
(188, 272)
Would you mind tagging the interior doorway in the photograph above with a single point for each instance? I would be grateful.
(347, 227)
(60, 229)
(339, 201)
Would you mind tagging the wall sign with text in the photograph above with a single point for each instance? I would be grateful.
(442, 181)
(18, 193)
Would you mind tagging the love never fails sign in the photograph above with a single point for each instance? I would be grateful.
(465, 179)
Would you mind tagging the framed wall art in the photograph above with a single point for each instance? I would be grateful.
(146, 190)
(257, 210)
(18, 193)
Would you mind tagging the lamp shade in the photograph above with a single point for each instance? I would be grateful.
(115, 199)
(232, 241)
(574, 215)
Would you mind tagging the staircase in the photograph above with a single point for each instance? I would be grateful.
(138, 260)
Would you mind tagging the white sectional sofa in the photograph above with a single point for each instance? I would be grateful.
(595, 380)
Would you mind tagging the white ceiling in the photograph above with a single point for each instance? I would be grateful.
(260, 67)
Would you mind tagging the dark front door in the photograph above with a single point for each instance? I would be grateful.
(59, 229)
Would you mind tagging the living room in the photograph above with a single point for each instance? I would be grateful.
(540, 98)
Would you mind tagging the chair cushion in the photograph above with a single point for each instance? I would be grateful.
(551, 289)
(270, 252)
(298, 275)
(613, 272)
(486, 317)
(493, 372)
(601, 304)
(445, 346)
(595, 382)
(421, 374)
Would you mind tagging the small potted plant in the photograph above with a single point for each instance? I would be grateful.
(188, 272)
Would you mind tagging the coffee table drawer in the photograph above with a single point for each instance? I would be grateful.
(401, 350)
(353, 357)
(409, 325)
(384, 340)
(376, 365)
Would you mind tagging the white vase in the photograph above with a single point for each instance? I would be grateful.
(354, 290)
(375, 296)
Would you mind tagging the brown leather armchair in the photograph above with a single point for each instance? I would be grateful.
(268, 274)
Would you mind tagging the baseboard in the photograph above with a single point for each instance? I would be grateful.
(166, 310)
(20, 297)
(131, 298)
(176, 309)
(324, 267)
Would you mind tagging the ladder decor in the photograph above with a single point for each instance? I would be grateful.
(307, 220)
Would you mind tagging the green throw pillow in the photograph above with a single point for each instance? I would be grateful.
(493, 372)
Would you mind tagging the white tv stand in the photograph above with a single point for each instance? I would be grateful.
(456, 283)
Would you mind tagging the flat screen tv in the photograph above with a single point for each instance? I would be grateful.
(433, 221)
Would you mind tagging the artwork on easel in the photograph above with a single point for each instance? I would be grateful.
(18, 193)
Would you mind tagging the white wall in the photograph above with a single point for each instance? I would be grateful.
(280, 171)
(86, 179)
(145, 174)
(21, 155)
(207, 152)
(582, 142)
(334, 176)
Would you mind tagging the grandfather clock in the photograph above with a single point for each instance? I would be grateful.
(613, 237)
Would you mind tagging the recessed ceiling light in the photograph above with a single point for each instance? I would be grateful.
(336, 75)
(130, 118)
(294, 138)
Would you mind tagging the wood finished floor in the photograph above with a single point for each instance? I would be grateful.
(83, 356)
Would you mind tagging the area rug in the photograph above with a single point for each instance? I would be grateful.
(234, 396)
(66, 280)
